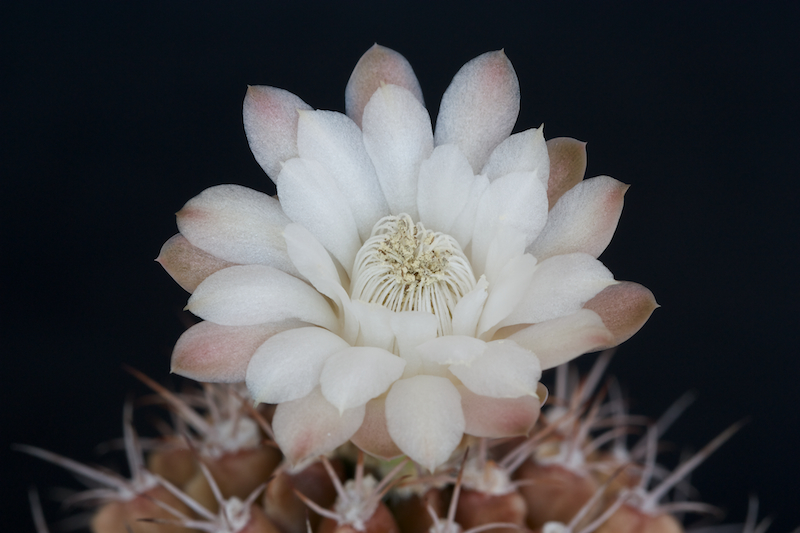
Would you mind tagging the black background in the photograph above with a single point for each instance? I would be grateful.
(116, 113)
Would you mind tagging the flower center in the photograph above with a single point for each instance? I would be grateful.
(405, 267)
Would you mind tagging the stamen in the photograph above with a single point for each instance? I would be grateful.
(405, 267)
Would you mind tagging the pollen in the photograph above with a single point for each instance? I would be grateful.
(405, 267)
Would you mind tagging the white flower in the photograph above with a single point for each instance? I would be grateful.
(408, 287)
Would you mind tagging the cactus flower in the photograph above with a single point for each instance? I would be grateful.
(408, 284)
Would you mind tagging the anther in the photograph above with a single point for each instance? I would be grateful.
(405, 267)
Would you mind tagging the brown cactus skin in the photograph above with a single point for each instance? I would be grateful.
(286, 510)
(381, 521)
(259, 523)
(124, 516)
(237, 474)
(477, 508)
(176, 465)
(553, 493)
(627, 478)
(412, 514)
(628, 519)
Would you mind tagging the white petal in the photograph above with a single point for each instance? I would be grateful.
(504, 370)
(310, 197)
(213, 353)
(424, 418)
(583, 220)
(518, 200)
(412, 328)
(445, 185)
(354, 376)
(378, 66)
(311, 426)
(464, 225)
(398, 137)
(334, 140)
(288, 365)
(452, 349)
(270, 123)
(562, 339)
(375, 325)
(507, 292)
(507, 245)
(560, 286)
(480, 107)
(312, 260)
(315, 264)
(522, 152)
(256, 294)
(469, 309)
(237, 224)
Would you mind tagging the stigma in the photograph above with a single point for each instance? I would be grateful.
(405, 267)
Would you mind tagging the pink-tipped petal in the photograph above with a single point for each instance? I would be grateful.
(424, 418)
(270, 123)
(188, 265)
(560, 286)
(624, 308)
(237, 224)
(378, 66)
(373, 435)
(480, 107)
(398, 137)
(219, 354)
(583, 220)
(498, 417)
(256, 294)
(311, 426)
(562, 339)
(567, 166)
